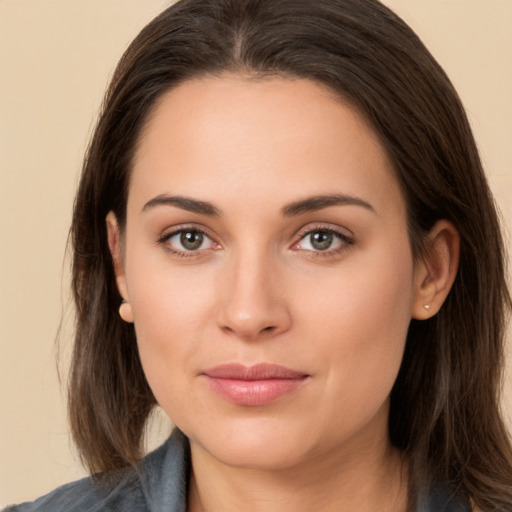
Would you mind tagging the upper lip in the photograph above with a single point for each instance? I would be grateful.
(261, 371)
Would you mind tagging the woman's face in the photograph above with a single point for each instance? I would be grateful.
(268, 268)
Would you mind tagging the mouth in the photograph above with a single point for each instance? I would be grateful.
(256, 385)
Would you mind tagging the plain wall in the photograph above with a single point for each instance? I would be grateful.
(55, 60)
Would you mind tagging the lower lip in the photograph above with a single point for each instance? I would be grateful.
(254, 392)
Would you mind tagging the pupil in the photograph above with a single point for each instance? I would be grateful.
(321, 240)
(191, 240)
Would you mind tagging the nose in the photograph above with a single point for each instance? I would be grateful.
(253, 301)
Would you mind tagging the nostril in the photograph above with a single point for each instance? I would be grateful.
(250, 319)
(265, 330)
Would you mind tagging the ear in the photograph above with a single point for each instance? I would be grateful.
(115, 246)
(435, 272)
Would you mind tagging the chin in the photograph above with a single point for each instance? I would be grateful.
(254, 455)
(264, 445)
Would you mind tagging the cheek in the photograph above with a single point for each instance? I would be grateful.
(166, 297)
(171, 310)
(359, 322)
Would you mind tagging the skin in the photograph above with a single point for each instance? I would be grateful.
(259, 290)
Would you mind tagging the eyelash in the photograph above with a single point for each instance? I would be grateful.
(164, 241)
(345, 241)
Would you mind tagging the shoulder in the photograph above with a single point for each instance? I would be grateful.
(440, 499)
(159, 479)
(91, 495)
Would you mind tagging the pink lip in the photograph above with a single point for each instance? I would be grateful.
(260, 384)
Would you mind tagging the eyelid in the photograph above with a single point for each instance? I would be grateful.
(346, 237)
(325, 226)
(169, 233)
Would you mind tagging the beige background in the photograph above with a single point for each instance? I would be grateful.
(55, 59)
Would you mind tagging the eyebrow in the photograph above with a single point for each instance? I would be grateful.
(185, 203)
(309, 204)
(315, 203)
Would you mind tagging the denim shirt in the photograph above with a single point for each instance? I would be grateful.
(159, 484)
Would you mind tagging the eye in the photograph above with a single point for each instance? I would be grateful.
(323, 240)
(187, 241)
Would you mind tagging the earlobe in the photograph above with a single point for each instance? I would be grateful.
(125, 311)
(115, 246)
(436, 271)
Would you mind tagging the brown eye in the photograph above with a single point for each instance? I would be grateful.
(326, 241)
(187, 241)
(321, 240)
(191, 240)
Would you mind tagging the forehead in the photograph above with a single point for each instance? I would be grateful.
(237, 134)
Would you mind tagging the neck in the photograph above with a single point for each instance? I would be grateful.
(362, 480)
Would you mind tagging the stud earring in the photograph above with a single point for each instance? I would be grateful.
(427, 307)
(125, 311)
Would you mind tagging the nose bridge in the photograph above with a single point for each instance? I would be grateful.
(253, 302)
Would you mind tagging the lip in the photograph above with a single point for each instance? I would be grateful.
(256, 385)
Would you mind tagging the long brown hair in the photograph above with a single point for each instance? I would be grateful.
(445, 403)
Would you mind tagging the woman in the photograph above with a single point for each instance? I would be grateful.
(284, 201)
